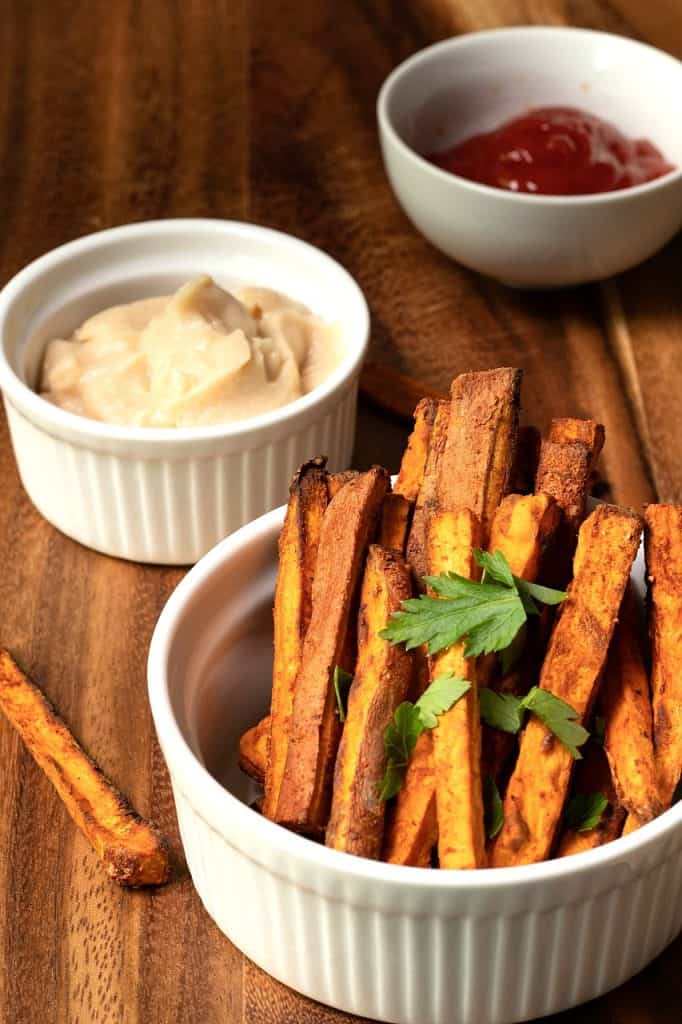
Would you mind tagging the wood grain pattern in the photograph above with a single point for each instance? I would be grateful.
(261, 110)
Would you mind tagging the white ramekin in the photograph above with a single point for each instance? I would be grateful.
(157, 495)
(476, 81)
(392, 943)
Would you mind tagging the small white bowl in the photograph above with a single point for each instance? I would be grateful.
(473, 83)
(169, 495)
(392, 943)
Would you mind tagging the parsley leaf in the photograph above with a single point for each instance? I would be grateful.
(489, 613)
(439, 697)
(501, 710)
(493, 807)
(400, 740)
(584, 811)
(341, 681)
(559, 717)
(410, 721)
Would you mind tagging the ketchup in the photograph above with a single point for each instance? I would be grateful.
(556, 151)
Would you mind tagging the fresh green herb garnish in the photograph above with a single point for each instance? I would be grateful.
(488, 613)
(559, 717)
(341, 681)
(584, 811)
(506, 712)
(493, 807)
(410, 721)
(501, 710)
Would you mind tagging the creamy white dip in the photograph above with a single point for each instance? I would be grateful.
(201, 356)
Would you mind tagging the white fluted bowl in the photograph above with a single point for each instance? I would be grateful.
(397, 944)
(169, 495)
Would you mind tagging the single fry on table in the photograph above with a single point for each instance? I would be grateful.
(133, 851)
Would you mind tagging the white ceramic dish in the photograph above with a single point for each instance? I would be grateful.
(474, 82)
(157, 495)
(396, 944)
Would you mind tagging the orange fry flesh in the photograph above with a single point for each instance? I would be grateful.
(571, 670)
(347, 528)
(395, 521)
(133, 851)
(298, 545)
(664, 570)
(253, 750)
(412, 826)
(413, 463)
(382, 677)
(457, 737)
(628, 734)
(522, 528)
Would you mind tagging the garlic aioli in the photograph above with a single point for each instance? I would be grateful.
(198, 357)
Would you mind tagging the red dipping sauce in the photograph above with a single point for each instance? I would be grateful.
(557, 151)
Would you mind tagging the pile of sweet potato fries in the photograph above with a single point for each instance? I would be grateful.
(500, 710)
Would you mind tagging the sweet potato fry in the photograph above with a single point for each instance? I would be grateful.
(253, 750)
(593, 776)
(417, 554)
(664, 568)
(577, 651)
(398, 506)
(336, 481)
(522, 528)
(132, 850)
(395, 521)
(564, 472)
(626, 706)
(588, 432)
(298, 545)
(412, 825)
(347, 529)
(481, 443)
(382, 677)
(413, 464)
(457, 737)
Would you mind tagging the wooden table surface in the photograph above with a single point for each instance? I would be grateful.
(260, 110)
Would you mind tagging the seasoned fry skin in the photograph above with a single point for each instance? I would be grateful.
(593, 776)
(395, 521)
(481, 443)
(628, 734)
(347, 529)
(564, 473)
(132, 850)
(588, 432)
(416, 552)
(298, 545)
(664, 569)
(572, 668)
(457, 737)
(253, 750)
(382, 677)
(413, 464)
(336, 481)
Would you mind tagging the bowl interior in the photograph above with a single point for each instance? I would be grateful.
(57, 293)
(474, 82)
(220, 658)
